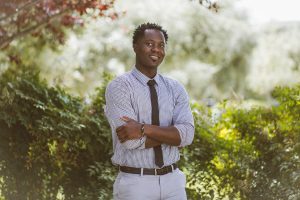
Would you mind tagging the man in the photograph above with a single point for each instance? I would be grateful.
(150, 119)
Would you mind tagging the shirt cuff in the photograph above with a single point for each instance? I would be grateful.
(186, 134)
(135, 144)
(142, 143)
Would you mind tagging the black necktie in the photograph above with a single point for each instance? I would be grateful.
(155, 121)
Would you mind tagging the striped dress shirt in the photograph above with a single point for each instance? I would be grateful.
(129, 95)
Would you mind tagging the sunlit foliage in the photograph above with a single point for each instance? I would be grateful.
(53, 143)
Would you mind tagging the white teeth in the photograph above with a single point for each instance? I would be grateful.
(154, 57)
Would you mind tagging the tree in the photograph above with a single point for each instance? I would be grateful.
(22, 17)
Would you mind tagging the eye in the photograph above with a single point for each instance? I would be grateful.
(149, 44)
(162, 45)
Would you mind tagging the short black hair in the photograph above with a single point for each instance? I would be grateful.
(140, 30)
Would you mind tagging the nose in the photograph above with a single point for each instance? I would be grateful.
(155, 49)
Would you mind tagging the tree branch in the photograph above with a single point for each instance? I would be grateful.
(7, 40)
(20, 9)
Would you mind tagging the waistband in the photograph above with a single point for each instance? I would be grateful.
(147, 171)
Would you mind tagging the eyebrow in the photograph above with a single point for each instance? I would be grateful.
(154, 41)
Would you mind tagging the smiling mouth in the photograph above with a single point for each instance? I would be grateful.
(154, 58)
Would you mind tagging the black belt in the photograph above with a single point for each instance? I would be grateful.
(147, 171)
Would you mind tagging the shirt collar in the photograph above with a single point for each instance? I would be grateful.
(142, 77)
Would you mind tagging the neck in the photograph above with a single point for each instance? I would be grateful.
(149, 72)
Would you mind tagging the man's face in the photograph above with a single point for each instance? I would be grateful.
(150, 49)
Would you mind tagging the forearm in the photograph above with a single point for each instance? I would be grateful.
(132, 131)
(161, 135)
(149, 143)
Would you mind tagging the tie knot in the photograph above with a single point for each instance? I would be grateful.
(151, 82)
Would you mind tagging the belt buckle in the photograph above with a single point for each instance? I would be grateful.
(163, 170)
(166, 170)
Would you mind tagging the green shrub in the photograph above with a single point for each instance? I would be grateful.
(52, 142)
(247, 154)
(53, 145)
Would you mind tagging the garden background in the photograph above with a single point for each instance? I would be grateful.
(57, 57)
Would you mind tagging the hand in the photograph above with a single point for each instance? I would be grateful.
(130, 130)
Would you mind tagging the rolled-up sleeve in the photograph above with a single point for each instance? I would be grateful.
(182, 117)
(118, 104)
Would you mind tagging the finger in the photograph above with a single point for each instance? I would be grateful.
(122, 140)
(120, 133)
(126, 119)
(120, 137)
(119, 128)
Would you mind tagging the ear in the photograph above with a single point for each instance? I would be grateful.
(134, 47)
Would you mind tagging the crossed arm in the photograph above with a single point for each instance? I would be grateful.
(123, 120)
(155, 135)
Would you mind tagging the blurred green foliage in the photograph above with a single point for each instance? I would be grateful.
(53, 144)
(51, 140)
(248, 153)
